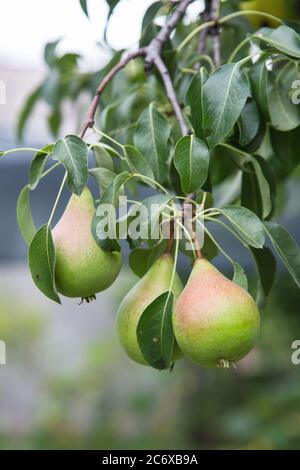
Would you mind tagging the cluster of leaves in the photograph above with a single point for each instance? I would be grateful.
(243, 143)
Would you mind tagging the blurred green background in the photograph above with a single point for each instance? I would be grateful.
(67, 384)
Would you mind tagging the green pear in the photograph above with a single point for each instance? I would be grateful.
(155, 282)
(216, 322)
(82, 267)
(286, 10)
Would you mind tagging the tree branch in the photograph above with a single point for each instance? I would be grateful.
(211, 13)
(215, 14)
(152, 54)
(204, 33)
(171, 94)
(156, 45)
(90, 121)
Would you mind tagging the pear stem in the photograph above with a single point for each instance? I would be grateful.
(171, 240)
(188, 219)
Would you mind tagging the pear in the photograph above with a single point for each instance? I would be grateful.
(82, 267)
(286, 10)
(216, 322)
(154, 283)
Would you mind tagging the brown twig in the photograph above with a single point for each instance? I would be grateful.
(152, 54)
(90, 121)
(215, 13)
(171, 239)
(211, 13)
(171, 94)
(204, 33)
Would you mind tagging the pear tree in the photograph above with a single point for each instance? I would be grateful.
(203, 117)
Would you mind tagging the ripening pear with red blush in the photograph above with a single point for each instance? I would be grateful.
(216, 322)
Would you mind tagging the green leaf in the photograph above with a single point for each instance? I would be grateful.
(286, 248)
(258, 76)
(26, 111)
(24, 216)
(283, 39)
(151, 138)
(239, 276)
(248, 123)
(110, 199)
(151, 13)
(103, 177)
(42, 262)
(258, 187)
(224, 97)
(264, 188)
(72, 152)
(155, 332)
(246, 223)
(83, 4)
(284, 114)
(103, 158)
(286, 148)
(49, 53)
(112, 5)
(38, 164)
(111, 194)
(191, 160)
(137, 162)
(54, 121)
(266, 270)
(154, 205)
(141, 259)
(194, 99)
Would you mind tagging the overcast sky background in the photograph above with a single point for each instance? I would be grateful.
(26, 26)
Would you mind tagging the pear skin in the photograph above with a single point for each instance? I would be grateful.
(215, 321)
(155, 282)
(283, 9)
(82, 267)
